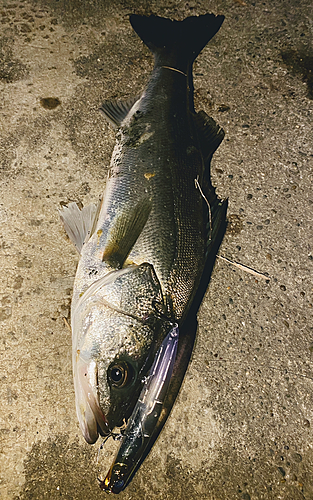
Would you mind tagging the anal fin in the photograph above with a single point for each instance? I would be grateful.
(115, 111)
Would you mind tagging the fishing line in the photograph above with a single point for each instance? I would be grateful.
(208, 204)
(174, 69)
(116, 437)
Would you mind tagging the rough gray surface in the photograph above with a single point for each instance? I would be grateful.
(242, 425)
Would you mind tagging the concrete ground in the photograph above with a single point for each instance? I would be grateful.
(242, 427)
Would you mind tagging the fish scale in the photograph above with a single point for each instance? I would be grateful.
(173, 238)
(146, 253)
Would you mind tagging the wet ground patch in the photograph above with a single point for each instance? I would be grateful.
(300, 63)
(58, 468)
(11, 69)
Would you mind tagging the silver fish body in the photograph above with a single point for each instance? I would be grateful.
(143, 255)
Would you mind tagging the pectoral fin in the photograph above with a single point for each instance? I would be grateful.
(125, 232)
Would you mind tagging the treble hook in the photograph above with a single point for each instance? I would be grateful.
(116, 437)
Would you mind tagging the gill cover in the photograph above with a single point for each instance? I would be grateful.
(110, 319)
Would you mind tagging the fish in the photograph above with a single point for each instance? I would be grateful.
(145, 249)
(143, 420)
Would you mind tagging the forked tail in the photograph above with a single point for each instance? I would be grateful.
(176, 42)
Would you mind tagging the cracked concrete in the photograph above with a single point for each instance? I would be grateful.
(242, 425)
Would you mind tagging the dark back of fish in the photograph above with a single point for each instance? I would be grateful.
(159, 155)
(161, 166)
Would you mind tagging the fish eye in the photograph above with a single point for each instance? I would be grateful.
(119, 374)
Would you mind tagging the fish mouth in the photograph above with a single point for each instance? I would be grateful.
(92, 420)
(145, 417)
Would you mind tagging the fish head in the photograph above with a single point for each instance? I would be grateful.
(122, 370)
(147, 416)
(117, 330)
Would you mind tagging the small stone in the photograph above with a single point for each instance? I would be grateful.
(18, 280)
(282, 471)
(25, 262)
(5, 313)
(296, 457)
(223, 108)
(50, 102)
(25, 28)
(245, 496)
(35, 222)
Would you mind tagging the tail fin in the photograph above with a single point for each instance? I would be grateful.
(187, 37)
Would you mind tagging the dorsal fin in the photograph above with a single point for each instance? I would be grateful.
(210, 134)
(115, 111)
(216, 209)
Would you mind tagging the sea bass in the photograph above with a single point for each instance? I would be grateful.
(144, 248)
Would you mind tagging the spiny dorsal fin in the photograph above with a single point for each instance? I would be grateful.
(125, 232)
(78, 223)
(210, 134)
(216, 219)
(115, 111)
